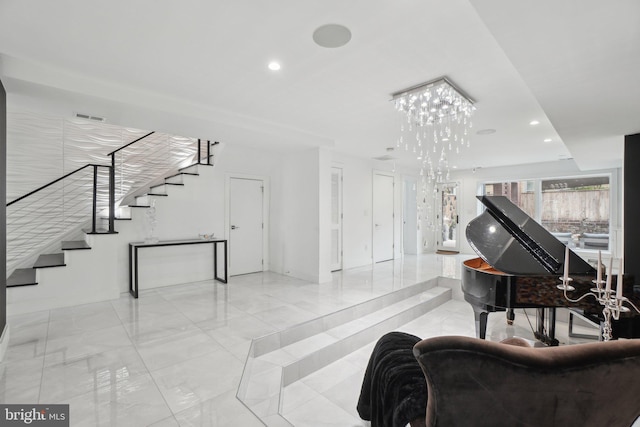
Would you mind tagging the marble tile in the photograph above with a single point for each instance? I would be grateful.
(315, 413)
(234, 331)
(28, 350)
(70, 348)
(345, 393)
(180, 347)
(221, 411)
(82, 318)
(176, 355)
(151, 306)
(20, 380)
(295, 395)
(136, 402)
(27, 336)
(114, 369)
(261, 386)
(27, 328)
(283, 316)
(202, 310)
(152, 328)
(309, 345)
(197, 380)
(329, 376)
(167, 422)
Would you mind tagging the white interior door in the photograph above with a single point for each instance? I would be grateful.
(336, 219)
(245, 225)
(382, 217)
(448, 217)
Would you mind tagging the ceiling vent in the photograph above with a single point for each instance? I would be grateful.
(385, 157)
(88, 117)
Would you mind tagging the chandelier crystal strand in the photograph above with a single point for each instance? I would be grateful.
(441, 107)
(435, 122)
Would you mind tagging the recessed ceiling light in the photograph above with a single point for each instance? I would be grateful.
(332, 35)
(486, 131)
(547, 140)
(454, 167)
(274, 66)
(534, 122)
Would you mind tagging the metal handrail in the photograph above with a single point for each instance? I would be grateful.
(53, 182)
(61, 206)
(132, 142)
(99, 189)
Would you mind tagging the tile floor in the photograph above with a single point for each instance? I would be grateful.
(175, 356)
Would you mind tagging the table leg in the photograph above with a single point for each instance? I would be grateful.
(135, 282)
(131, 283)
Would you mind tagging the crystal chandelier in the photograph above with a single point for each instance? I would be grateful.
(435, 124)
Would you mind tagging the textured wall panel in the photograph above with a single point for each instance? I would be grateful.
(41, 149)
(34, 152)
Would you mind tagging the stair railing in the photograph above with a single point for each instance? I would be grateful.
(133, 165)
(139, 164)
(61, 205)
(209, 155)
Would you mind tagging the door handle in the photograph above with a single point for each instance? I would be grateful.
(233, 227)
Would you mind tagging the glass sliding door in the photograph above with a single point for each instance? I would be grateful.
(448, 217)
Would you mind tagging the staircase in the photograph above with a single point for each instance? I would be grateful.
(89, 275)
(278, 360)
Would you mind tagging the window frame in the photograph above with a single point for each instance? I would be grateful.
(615, 221)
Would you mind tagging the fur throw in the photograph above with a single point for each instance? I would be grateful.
(394, 390)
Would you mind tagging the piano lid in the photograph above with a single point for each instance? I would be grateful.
(513, 242)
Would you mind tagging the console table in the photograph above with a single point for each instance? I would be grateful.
(134, 247)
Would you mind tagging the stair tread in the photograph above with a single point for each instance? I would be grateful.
(183, 173)
(173, 183)
(71, 245)
(139, 206)
(98, 231)
(156, 194)
(345, 322)
(321, 338)
(22, 277)
(192, 165)
(49, 260)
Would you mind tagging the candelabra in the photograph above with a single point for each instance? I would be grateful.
(612, 302)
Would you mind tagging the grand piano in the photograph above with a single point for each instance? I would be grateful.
(520, 266)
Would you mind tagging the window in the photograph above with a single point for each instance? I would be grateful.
(521, 193)
(576, 209)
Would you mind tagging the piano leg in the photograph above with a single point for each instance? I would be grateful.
(481, 322)
(541, 334)
(511, 315)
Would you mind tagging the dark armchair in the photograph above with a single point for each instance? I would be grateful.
(473, 382)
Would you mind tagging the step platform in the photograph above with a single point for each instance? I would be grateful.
(280, 359)
(22, 277)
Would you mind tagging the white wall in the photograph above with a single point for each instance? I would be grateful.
(324, 215)
(295, 240)
(199, 207)
(357, 205)
(298, 211)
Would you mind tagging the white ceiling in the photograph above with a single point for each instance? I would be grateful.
(199, 68)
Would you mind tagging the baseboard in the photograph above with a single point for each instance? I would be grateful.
(4, 341)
